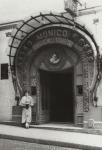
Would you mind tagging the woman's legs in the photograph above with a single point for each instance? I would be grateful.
(28, 117)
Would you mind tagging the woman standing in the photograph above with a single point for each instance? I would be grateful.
(26, 103)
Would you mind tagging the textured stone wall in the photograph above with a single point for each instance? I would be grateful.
(7, 94)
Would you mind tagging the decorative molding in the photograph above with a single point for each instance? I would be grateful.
(80, 100)
(62, 58)
(85, 63)
(86, 96)
(29, 44)
(33, 81)
(81, 42)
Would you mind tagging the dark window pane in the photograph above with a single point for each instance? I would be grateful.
(4, 71)
(33, 90)
(79, 89)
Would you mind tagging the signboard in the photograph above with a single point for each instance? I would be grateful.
(56, 35)
(71, 7)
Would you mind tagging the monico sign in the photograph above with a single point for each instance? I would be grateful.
(52, 35)
(52, 32)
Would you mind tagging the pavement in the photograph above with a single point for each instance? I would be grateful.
(40, 134)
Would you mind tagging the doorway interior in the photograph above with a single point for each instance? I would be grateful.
(57, 93)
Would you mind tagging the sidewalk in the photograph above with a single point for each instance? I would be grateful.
(52, 137)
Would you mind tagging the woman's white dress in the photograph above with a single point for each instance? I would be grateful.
(26, 113)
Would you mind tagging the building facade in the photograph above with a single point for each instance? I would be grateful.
(58, 60)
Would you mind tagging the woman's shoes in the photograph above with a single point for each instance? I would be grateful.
(27, 125)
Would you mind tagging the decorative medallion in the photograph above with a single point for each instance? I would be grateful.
(81, 42)
(20, 59)
(29, 44)
(89, 53)
(75, 37)
(24, 49)
(55, 58)
(19, 64)
(21, 53)
(86, 47)
(91, 59)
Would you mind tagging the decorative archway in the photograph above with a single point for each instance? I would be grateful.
(49, 28)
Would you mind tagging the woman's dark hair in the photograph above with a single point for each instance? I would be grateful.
(25, 92)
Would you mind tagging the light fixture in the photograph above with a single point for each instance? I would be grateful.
(73, 28)
(95, 21)
(42, 21)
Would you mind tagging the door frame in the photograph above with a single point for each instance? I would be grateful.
(40, 112)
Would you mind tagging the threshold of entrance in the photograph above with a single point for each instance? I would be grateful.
(58, 127)
(67, 128)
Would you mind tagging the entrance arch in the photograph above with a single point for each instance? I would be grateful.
(47, 73)
(79, 48)
(28, 45)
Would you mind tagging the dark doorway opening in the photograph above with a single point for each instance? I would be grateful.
(61, 97)
(57, 94)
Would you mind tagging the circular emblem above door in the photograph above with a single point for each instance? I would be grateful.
(54, 58)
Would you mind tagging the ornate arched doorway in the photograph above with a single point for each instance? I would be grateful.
(54, 66)
(48, 56)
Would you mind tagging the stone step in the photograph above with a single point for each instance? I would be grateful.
(12, 123)
(58, 127)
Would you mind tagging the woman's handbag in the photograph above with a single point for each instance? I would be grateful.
(27, 106)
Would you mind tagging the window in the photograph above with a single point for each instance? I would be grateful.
(33, 90)
(4, 71)
(33, 86)
(79, 89)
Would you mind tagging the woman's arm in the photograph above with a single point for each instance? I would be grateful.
(23, 102)
(31, 102)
